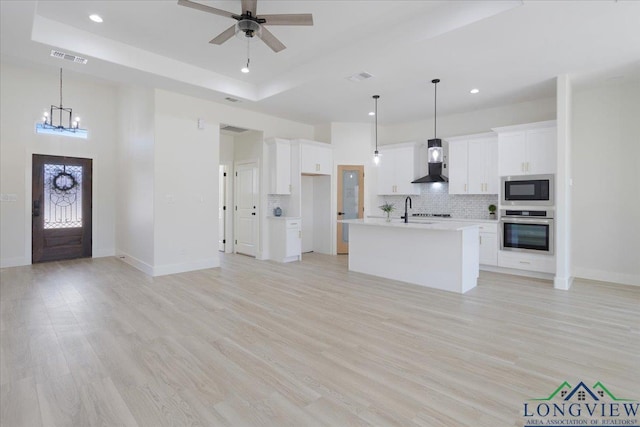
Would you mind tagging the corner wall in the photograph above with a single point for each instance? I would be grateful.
(606, 182)
(135, 177)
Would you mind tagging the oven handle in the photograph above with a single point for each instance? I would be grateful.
(530, 220)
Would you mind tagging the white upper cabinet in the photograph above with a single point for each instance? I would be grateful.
(279, 165)
(527, 149)
(399, 165)
(316, 158)
(473, 164)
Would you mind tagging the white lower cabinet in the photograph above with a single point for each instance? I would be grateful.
(285, 239)
(489, 244)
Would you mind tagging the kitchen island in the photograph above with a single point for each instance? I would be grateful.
(440, 255)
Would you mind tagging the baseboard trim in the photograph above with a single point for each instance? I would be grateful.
(516, 272)
(135, 262)
(607, 276)
(563, 283)
(163, 270)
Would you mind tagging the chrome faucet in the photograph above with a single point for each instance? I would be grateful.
(406, 215)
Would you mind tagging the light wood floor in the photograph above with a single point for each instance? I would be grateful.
(95, 342)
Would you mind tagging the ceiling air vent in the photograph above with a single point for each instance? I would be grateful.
(358, 77)
(230, 99)
(73, 58)
(235, 129)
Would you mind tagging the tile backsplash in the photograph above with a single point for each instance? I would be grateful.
(435, 198)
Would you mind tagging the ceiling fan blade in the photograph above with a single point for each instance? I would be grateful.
(249, 5)
(270, 40)
(205, 8)
(224, 36)
(288, 19)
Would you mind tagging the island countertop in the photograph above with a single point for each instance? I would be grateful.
(422, 225)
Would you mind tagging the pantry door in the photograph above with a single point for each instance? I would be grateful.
(350, 201)
(60, 208)
(246, 209)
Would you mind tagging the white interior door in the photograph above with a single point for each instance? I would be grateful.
(246, 208)
(222, 200)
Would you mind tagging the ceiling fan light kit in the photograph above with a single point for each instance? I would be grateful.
(249, 24)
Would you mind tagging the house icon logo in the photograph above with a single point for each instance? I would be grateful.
(581, 404)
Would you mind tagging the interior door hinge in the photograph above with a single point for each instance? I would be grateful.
(224, 241)
(224, 208)
(236, 208)
(236, 173)
(224, 174)
(236, 242)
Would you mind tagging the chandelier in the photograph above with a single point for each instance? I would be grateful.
(54, 120)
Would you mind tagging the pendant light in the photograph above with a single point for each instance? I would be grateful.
(49, 126)
(435, 144)
(376, 155)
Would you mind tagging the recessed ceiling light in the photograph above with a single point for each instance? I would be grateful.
(474, 91)
(95, 18)
(371, 113)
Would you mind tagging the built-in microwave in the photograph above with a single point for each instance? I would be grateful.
(527, 190)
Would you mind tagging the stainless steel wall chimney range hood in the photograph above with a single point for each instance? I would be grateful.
(434, 148)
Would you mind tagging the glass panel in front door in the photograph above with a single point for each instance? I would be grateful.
(62, 196)
(350, 191)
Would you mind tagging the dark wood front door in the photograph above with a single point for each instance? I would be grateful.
(61, 208)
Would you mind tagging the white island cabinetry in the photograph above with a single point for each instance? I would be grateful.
(443, 255)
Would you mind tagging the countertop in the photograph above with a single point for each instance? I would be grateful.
(284, 217)
(422, 225)
(437, 218)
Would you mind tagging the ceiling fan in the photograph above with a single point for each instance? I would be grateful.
(251, 24)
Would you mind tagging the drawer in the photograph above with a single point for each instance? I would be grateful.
(296, 223)
(528, 262)
(488, 228)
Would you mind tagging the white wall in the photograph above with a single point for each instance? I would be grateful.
(353, 144)
(469, 123)
(135, 159)
(606, 182)
(185, 185)
(26, 94)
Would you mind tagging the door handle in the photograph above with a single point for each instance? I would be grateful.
(340, 213)
(253, 213)
(36, 208)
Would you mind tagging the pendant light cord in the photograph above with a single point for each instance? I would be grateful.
(435, 108)
(60, 99)
(248, 51)
(375, 112)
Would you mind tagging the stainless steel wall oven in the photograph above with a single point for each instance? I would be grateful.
(527, 231)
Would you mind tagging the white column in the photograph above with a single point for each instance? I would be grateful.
(563, 278)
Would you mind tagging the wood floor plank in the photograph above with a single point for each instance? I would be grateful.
(94, 342)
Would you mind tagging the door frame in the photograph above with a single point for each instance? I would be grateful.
(28, 181)
(340, 247)
(256, 166)
(86, 206)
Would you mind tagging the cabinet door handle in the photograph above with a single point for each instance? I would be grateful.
(481, 240)
(299, 234)
(527, 166)
(465, 188)
(317, 167)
